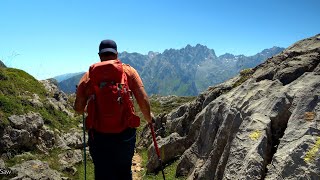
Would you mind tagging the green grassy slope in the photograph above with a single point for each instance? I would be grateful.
(17, 88)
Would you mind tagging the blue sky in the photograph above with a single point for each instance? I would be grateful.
(52, 37)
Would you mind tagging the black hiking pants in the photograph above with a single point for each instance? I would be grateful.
(112, 154)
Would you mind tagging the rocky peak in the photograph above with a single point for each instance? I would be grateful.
(226, 56)
(188, 47)
(199, 51)
(152, 54)
(273, 50)
(188, 55)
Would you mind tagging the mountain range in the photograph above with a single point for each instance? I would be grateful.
(183, 72)
(66, 76)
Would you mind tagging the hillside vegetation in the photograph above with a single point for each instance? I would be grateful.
(18, 93)
(37, 127)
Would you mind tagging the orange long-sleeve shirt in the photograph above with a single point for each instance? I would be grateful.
(134, 82)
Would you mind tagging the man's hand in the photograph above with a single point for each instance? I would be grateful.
(153, 119)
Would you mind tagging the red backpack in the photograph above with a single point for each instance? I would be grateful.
(110, 106)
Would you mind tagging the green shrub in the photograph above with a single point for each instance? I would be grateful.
(3, 76)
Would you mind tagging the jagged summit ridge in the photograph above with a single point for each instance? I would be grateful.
(186, 71)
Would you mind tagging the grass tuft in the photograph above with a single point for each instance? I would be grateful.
(244, 75)
(169, 169)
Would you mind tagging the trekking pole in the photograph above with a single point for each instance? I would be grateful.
(156, 148)
(84, 147)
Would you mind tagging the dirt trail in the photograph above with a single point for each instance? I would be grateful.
(136, 167)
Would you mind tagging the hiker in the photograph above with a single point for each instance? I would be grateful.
(111, 141)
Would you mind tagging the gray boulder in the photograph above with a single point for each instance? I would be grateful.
(69, 159)
(31, 122)
(26, 132)
(36, 170)
(60, 142)
(46, 140)
(74, 138)
(22, 133)
(56, 98)
(36, 101)
(170, 148)
(2, 165)
(50, 85)
(60, 105)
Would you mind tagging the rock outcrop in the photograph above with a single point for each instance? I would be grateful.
(69, 159)
(264, 126)
(56, 98)
(2, 165)
(34, 169)
(73, 138)
(40, 138)
(26, 132)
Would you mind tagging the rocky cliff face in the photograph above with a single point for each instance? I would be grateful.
(262, 124)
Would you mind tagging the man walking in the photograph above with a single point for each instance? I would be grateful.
(104, 92)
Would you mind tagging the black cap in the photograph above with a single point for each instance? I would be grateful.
(108, 46)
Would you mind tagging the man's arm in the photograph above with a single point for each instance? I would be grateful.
(143, 102)
(136, 85)
(80, 104)
(81, 95)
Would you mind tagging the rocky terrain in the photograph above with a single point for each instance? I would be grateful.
(262, 124)
(40, 136)
(183, 72)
